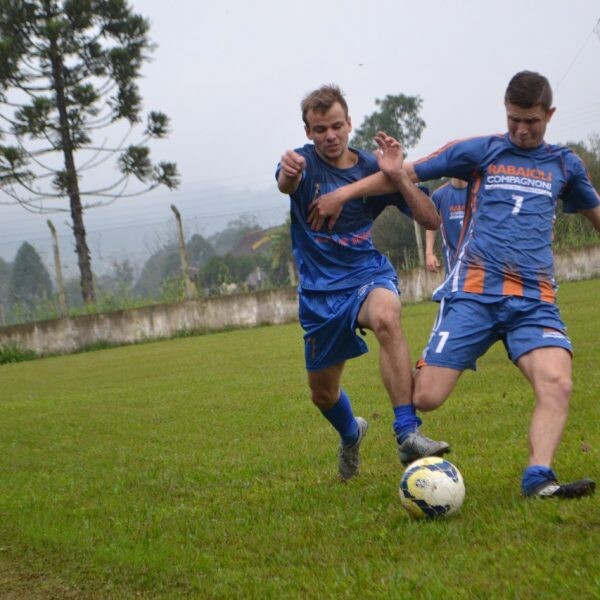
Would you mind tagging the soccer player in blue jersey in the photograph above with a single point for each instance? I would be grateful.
(502, 285)
(449, 200)
(345, 283)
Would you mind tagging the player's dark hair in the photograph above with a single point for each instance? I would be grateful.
(321, 100)
(527, 89)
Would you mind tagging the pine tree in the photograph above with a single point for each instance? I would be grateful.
(68, 70)
(29, 283)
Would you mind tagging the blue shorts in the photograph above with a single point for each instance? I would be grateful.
(329, 323)
(465, 329)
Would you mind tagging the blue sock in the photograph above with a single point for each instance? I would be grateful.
(405, 421)
(535, 476)
(341, 417)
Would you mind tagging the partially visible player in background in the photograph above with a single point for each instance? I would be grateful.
(502, 286)
(345, 282)
(449, 200)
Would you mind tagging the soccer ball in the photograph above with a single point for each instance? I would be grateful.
(431, 487)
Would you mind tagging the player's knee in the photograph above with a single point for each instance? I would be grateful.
(565, 387)
(386, 323)
(323, 399)
(425, 399)
(323, 403)
(558, 391)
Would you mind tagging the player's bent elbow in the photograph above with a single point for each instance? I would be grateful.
(433, 222)
(430, 222)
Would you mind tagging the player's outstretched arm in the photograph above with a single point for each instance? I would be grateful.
(422, 208)
(329, 206)
(393, 177)
(390, 157)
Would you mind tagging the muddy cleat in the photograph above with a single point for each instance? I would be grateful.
(553, 489)
(348, 455)
(416, 446)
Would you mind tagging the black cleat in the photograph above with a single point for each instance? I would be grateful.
(553, 489)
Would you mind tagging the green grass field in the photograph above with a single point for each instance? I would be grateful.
(197, 468)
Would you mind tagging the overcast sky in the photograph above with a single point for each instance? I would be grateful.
(231, 75)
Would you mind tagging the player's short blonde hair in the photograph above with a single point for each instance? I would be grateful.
(322, 99)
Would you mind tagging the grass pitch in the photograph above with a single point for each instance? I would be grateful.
(197, 468)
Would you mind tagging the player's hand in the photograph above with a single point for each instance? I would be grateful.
(325, 208)
(292, 164)
(432, 263)
(390, 154)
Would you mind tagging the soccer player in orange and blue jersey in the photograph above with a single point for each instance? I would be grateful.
(502, 285)
(449, 200)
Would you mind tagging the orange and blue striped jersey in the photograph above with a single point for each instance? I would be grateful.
(450, 204)
(506, 240)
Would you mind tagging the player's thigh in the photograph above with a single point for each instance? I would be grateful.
(329, 335)
(548, 366)
(534, 325)
(380, 308)
(433, 385)
(379, 300)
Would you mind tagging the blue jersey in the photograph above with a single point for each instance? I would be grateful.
(450, 204)
(345, 257)
(506, 246)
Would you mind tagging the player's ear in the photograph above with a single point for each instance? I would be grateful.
(307, 131)
(550, 112)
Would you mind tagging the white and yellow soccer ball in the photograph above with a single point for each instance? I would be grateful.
(432, 487)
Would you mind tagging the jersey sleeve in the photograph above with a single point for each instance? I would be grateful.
(455, 159)
(579, 193)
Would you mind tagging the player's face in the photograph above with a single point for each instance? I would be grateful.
(527, 126)
(329, 131)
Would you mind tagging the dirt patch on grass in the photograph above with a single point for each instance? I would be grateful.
(17, 582)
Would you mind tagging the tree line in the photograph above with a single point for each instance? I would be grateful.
(240, 258)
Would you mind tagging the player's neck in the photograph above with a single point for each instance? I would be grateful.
(345, 161)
